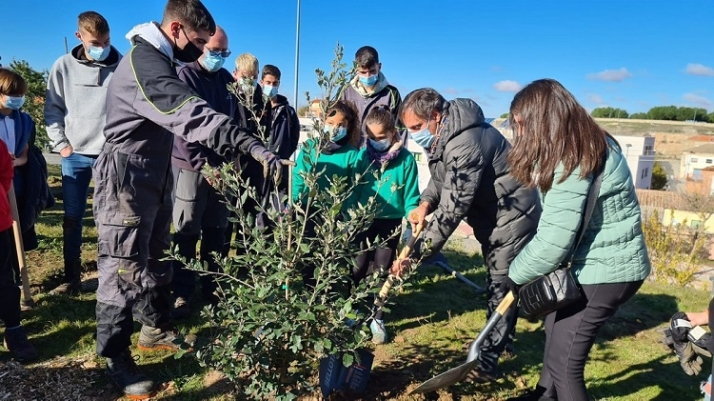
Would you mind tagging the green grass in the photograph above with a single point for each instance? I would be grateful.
(429, 324)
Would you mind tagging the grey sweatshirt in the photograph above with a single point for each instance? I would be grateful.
(75, 110)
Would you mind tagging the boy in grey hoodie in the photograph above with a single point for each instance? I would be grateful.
(369, 89)
(75, 116)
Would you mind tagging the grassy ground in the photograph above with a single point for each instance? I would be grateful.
(429, 325)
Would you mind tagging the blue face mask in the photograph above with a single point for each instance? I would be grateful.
(381, 145)
(336, 133)
(423, 138)
(370, 80)
(14, 102)
(213, 61)
(270, 91)
(99, 53)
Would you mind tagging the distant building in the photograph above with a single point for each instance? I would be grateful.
(695, 160)
(640, 156)
(314, 109)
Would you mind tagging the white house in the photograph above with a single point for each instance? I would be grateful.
(695, 160)
(640, 155)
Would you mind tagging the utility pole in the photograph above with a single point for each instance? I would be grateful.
(297, 56)
(66, 47)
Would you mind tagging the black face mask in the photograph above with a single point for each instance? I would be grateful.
(188, 54)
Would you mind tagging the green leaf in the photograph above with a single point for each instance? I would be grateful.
(347, 360)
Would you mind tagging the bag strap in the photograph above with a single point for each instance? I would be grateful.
(589, 207)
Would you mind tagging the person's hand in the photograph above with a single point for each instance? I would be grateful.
(213, 178)
(400, 266)
(67, 151)
(698, 318)
(272, 164)
(418, 215)
(508, 285)
(688, 349)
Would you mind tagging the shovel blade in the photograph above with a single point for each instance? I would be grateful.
(446, 379)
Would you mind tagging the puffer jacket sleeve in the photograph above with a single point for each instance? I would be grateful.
(557, 230)
(463, 166)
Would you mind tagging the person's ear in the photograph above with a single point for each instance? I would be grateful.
(437, 117)
(78, 35)
(175, 29)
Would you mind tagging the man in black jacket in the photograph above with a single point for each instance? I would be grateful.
(200, 210)
(147, 104)
(470, 181)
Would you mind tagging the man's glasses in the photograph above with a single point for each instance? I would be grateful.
(224, 53)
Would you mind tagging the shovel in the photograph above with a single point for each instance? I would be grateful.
(381, 299)
(20, 250)
(459, 373)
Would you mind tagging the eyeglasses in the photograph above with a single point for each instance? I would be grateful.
(225, 53)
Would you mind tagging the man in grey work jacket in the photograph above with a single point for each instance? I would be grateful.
(147, 104)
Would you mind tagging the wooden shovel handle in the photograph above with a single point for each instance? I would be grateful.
(402, 255)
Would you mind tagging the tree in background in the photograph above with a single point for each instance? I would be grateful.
(504, 115)
(668, 113)
(303, 110)
(35, 103)
(609, 112)
(640, 116)
(659, 177)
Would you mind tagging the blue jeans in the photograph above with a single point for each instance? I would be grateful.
(76, 175)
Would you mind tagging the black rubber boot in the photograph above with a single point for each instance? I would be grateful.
(72, 283)
(127, 376)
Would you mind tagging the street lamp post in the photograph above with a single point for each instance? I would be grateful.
(297, 56)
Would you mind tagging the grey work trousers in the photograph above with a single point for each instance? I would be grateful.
(199, 212)
(132, 210)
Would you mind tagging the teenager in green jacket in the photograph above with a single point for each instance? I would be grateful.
(392, 180)
(558, 149)
(336, 158)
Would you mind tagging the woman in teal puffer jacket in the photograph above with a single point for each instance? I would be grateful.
(558, 150)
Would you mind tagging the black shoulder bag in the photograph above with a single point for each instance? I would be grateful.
(559, 289)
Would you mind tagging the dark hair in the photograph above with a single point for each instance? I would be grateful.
(191, 13)
(12, 83)
(366, 57)
(349, 111)
(422, 102)
(382, 116)
(270, 69)
(556, 129)
(93, 22)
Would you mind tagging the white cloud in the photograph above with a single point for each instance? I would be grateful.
(507, 86)
(611, 75)
(595, 98)
(698, 100)
(451, 91)
(699, 69)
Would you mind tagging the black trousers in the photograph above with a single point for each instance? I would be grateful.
(570, 333)
(9, 291)
(381, 258)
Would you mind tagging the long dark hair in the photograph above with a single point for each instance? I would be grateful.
(349, 111)
(556, 129)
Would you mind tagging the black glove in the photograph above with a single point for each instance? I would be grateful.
(509, 285)
(677, 338)
(272, 164)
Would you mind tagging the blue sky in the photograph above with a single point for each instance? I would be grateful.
(628, 54)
